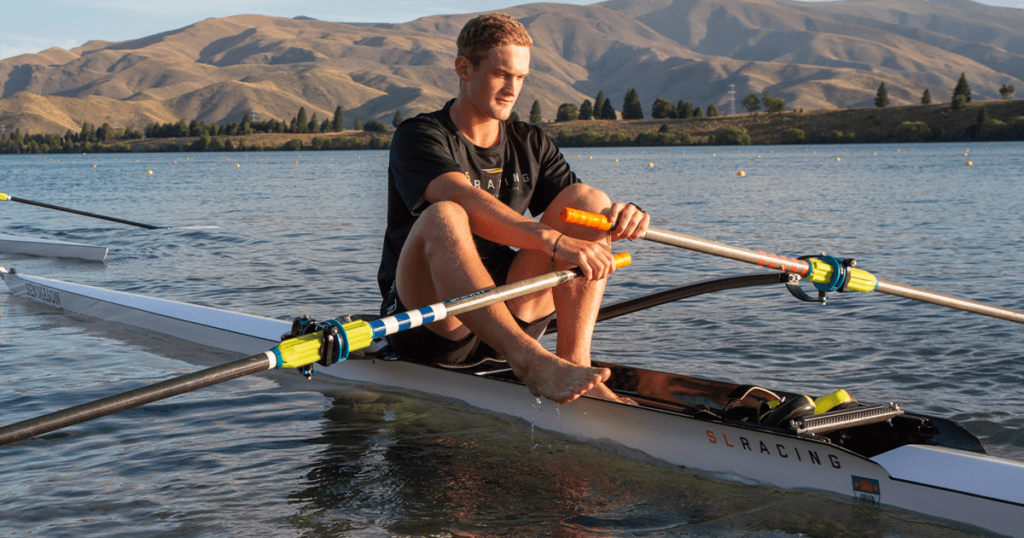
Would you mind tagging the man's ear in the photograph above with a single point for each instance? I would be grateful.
(463, 67)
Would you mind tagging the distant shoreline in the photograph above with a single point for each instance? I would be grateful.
(918, 124)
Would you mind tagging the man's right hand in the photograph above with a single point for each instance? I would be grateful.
(594, 258)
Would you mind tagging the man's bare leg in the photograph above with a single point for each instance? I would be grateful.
(578, 301)
(439, 261)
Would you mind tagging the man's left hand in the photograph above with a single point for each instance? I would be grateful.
(631, 221)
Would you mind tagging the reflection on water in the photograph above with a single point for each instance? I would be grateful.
(391, 464)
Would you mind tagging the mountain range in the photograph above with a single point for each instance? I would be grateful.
(817, 55)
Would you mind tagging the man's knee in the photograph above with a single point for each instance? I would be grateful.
(441, 218)
(582, 196)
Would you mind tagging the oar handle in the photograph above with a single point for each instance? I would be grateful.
(584, 218)
(5, 197)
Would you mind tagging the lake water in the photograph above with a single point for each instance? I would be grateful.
(284, 234)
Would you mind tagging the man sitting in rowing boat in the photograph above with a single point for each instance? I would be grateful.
(459, 183)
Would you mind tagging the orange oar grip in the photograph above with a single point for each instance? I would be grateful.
(583, 218)
(622, 259)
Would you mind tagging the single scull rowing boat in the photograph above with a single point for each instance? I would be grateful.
(879, 454)
(12, 244)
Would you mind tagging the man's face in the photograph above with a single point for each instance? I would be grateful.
(493, 86)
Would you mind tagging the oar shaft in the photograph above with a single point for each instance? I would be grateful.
(790, 265)
(134, 398)
(773, 261)
(85, 213)
(908, 292)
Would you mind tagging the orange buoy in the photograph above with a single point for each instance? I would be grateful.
(741, 173)
(969, 163)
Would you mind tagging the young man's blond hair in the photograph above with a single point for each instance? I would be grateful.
(490, 31)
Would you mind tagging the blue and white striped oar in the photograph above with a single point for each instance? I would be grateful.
(340, 339)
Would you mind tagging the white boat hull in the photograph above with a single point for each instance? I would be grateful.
(11, 244)
(963, 486)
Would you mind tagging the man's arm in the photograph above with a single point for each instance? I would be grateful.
(495, 221)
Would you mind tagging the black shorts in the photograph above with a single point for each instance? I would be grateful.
(424, 346)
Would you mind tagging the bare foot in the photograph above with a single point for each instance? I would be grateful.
(602, 391)
(555, 379)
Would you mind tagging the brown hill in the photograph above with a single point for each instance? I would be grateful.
(816, 55)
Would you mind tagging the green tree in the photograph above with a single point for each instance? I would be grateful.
(793, 136)
(514, 116)
(913, 131)
(731, 136)
(246, 127)
(959, 102)
(535, 116)
(751, 103)
(375, 126)
(697, 112)
(962, 88)
(926, 97)
(631, 108)
(181, 129)
(599, 104)
(1006, 91)
(398, 119)
(684, 109)
(664, 128)
(326, 126)
(294, 144)
(105, 133)
(662, 109)
(339, 120)
(982, 116)
(201, 143)
(772, 104)
(608, 111)
(881, 96)
(313, 125)
(713, 111)
(586, 110)
(359, 125)
(301, 121)
(567, 112)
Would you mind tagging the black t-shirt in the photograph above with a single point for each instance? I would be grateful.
(525, 171)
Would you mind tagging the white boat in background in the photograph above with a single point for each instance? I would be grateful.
(878, 454)
(11, 244)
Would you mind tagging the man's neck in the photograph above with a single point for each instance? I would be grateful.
(481, 130)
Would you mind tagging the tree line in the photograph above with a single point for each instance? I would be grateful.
(105, 138)
(961, 94)
(602, 108)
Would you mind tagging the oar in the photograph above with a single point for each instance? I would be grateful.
(340, 340)
(69, 210)
(826, 272)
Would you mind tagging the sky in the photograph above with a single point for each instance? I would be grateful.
(29, 26)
